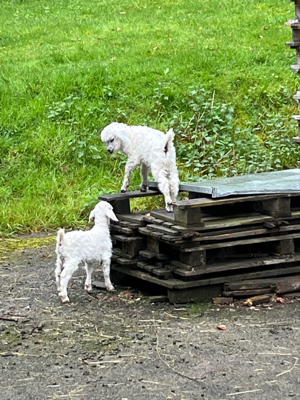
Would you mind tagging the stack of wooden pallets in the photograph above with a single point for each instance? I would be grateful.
(210, 242)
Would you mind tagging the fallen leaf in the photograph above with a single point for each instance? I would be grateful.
(222, 327)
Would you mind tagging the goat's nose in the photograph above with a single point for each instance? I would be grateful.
(110, 151)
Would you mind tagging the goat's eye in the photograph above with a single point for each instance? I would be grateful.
(111, 140)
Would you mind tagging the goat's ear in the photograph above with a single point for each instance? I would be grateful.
(92, 215)
(110, 214)
(122, 135)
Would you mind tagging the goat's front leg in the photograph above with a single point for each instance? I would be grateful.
(144, 172)
(129, 168)
(106, 273)
(88, 282)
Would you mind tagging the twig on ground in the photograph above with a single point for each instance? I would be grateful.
(289, 370)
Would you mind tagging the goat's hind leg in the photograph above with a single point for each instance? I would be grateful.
(88, 283)
(106, 273)
(58, 269)
(144, 173)
(70, 266)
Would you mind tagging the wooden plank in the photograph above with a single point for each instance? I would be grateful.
(121, 229)
(288, 285)
(179, 284)
(136, 218)
(236, 233)
(247, 292)
(153, 244)
(183, 266)
(240, 242)
(162, 273)
(127, 239)
(119, 253)
(160, 228)
(126, 262)
(286, 181)
(206, 202)
(149, 255)
(187, 216)
(255, 300)
(236, 265)
(128, 195)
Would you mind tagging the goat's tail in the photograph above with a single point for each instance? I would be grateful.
(169, 142)
(59, 239)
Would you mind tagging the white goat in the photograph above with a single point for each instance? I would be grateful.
(148, 148)
(75, 247)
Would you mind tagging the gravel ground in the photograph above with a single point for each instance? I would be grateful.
(122, 345)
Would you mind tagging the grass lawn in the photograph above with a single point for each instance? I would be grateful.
(218, 72)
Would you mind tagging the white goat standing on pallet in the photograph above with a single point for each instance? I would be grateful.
(149, 148)
(75, 247)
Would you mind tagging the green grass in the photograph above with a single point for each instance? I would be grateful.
(217, 71)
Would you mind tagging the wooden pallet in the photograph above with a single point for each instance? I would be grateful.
(207, 243)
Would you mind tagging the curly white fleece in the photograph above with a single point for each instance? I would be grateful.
(75, 247)
(149, 148)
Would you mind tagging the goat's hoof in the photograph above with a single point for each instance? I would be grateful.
(88, 288)
(169, 207)
(65, 299)
(143, 188)
(110, 288)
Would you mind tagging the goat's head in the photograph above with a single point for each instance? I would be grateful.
(114, 136)
(103, 208)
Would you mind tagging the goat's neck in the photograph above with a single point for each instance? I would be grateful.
(102, 223)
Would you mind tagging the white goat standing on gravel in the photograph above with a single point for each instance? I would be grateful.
(75, 247)
(148, 148)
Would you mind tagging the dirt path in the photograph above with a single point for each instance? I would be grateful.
(123, 346)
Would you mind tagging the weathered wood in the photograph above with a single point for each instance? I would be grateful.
(279, 207)
(194, 294)
(283, 247)
(117, 252)
(247, 292)
(141, 264)
(240, 242)
(195, 258)
(163, 273)
(255, 300)
(121, 229)
(187, 217)
(207, 202)
(153, 244)
(287, 285)
(199, 283)
(149, 255)
(237, 232)
(128, 195)
(127, 262)
(245, 265)
(160, 228)
(136, 218)
(182, 266)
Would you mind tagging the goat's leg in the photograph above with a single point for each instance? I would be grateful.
(144, 172)
(174, 183)
(164, 186)
(88, 283)
(129, 168)
(58, 269)
(70, 266)
(106, 273)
